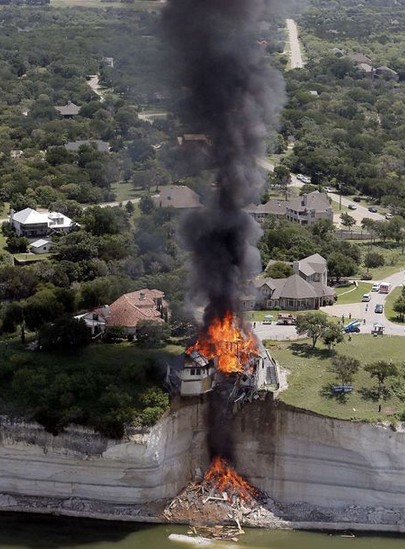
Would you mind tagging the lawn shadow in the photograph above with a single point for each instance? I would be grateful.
(327, 392)
(306, 350)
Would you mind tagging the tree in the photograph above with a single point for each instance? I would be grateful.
(279, 269)
(373, 259)
(152, 334)
(282, 177)
(347, 220)
(381, 370)
(146, 204)
(340, 265)
(17, 244)
(65, 334)
(345, 367)
(312, 324)
(399, 307)
(332, 334)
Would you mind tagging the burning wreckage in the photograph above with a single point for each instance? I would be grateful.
(228, 355)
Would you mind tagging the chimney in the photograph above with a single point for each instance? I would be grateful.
(296, 267)
(141, 296)
(304, 200)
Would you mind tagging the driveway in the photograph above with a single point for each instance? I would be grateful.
(365, 311)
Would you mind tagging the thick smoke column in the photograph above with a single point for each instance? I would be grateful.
(232, 96)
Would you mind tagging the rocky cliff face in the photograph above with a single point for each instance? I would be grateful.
(297, 456)
(294, 455)
(82, 464)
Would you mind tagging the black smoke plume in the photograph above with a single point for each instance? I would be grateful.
(232, 95)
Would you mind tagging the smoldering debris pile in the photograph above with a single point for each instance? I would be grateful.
(219, 514)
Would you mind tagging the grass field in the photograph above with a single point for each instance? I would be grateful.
(124, 190)
(353, 296)
(389, 305)
(309, 379)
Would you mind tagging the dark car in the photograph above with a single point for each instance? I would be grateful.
(356, 199)
(372, 210)
(379, 308)
(352, 329)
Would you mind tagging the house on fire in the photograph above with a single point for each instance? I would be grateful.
(307, 288)
(199, 376)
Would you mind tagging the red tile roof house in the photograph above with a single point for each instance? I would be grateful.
(129, 309)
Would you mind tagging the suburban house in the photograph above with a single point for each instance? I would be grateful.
(69, 110)
(127, 311)
(309, 208)
(30, 223)
(41, 246)
(101, 146)
(307, 288)
(262, 212)
(305, 210)
(177, 196)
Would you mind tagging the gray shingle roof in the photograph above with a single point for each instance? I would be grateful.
(177, 196)
(70, 109)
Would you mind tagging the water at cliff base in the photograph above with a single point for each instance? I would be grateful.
(40, 532)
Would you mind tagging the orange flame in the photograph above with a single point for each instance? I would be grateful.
(229, 343)
(225, 479)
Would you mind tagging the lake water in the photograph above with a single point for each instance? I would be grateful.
(39, 532)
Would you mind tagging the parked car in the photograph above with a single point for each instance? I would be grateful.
(372, 209)
(352, 207)
(388, 216)
(379, 308)
(329, 189)
(303, 178)
(356, 199)
(366, 297)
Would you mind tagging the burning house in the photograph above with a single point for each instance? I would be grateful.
(228, 354)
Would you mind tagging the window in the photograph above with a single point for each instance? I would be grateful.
(192, 372)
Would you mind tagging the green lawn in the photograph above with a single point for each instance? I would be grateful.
(353, 296)
(389, 305)
(124, 190)
(309, 378)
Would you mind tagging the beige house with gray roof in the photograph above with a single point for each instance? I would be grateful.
(305, 210)
(306, 289)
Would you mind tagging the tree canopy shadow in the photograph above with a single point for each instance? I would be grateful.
(372, 393)
(306, 350)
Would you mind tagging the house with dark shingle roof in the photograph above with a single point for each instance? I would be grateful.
(69, 110)
(271, 208)
(101, 146)
(177, 196)
(309, 208)
(306, 289)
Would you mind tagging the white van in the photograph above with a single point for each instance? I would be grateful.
(366, 297)
(375, 287)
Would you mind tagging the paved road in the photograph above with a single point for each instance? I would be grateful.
(365, 311)
(360, 213)
(295, 50)
(359, 311)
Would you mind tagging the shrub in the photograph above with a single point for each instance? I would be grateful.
(373, 260)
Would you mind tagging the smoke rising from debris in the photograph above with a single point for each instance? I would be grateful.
(233, 96)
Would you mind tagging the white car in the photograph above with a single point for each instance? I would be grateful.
(303, 178)
(375, 287)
